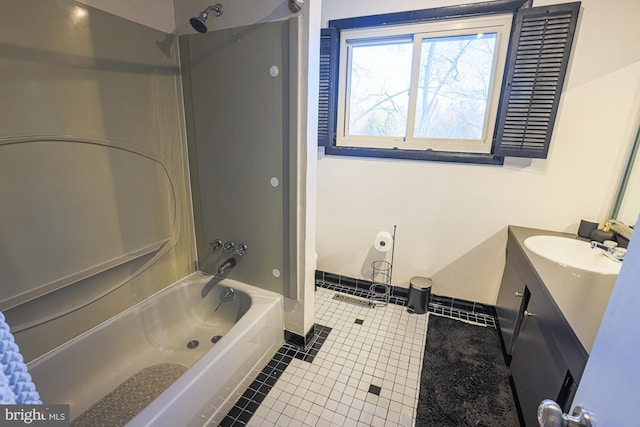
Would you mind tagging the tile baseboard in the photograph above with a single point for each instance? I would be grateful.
(298, 340)
(470, 311)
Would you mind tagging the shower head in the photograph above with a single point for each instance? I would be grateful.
(199, 22)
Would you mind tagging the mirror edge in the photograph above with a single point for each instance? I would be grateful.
(617, 226)
(621, 229)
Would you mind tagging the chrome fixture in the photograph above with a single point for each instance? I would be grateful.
(550, 415)
(215, 245)
(242, 249)
(227, 265)
(210, 285)
(235, 250)
(228, 295)
(228, 246)
(199, 22)
(296, 5)
(610, 249)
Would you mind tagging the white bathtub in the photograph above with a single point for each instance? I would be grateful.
(156, 331)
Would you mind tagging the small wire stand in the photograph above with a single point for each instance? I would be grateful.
(380, 289)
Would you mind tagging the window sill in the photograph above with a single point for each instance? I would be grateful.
(429, 155)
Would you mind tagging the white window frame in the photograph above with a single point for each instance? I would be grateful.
(499, 24)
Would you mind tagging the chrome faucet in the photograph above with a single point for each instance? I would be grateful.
(242, 249)
(227, 265)
(215, 245)
(236, 251)
(610, 249)
(228, 295)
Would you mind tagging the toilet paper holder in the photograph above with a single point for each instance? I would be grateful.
(381, 270)
(383, 241)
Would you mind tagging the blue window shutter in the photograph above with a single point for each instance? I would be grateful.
(536, 67)
(328, 95)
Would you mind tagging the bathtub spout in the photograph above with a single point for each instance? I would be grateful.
(210, 284)
(227, 265)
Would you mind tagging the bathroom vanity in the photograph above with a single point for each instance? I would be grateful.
(549, 315)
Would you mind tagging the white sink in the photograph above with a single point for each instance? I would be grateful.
(572, 253)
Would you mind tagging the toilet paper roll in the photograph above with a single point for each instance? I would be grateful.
(383, 241)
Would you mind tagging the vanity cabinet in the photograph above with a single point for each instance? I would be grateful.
(511, 298)
(544, 354)
(537, 368)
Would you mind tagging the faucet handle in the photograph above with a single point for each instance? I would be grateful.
(619, 253)
(242, 249)
(228, 246)
(215, 245)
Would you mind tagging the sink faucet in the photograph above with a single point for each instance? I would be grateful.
(227, 265)
(610, 249)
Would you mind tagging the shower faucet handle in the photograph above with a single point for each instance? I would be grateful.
(228, 246)
(215, 245)
(242, 249)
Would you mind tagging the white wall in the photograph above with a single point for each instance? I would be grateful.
(156, 14)
(235, 13)
(452, 218)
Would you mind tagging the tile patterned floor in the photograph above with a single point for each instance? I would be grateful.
(257, 391)
(366, 373)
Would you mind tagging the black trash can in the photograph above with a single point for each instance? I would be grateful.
(419, 295)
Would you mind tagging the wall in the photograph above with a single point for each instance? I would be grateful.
(298, 310)
(156, 14)
(240, 141)
(452, 218)
(96, 212)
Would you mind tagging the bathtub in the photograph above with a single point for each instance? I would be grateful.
(233, 344)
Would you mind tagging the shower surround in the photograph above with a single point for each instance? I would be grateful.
(95, 175)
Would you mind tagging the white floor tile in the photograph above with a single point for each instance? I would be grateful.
(327, 414)
(386, 350)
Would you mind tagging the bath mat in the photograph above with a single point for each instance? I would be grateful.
(464, 381)
(127, 400)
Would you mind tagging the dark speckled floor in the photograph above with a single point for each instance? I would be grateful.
(464, 380)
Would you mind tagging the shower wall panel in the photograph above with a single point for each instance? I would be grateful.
(95, 212)
(239, 86)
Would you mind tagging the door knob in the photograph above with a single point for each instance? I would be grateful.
(519, 295)
(550, 415)
(528, 313)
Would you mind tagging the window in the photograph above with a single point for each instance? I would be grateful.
(469, 83)
(422, 86)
